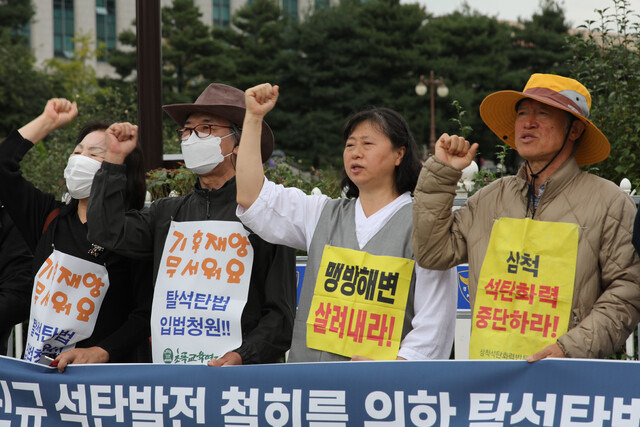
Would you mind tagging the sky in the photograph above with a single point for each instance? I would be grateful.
(576, 11)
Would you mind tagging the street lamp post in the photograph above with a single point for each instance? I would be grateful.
(442, 91)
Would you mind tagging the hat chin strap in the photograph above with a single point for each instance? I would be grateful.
(531, 192)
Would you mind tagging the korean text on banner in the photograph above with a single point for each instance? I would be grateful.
(359, 303)
(67, 295)
(525, 289)
(200, 293)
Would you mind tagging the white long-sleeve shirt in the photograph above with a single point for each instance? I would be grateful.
(288, 216)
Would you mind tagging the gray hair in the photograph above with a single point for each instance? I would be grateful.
(236, 132)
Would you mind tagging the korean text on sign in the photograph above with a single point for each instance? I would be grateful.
(66, 299)
(201, 290)
(359, 303)
(525, 288)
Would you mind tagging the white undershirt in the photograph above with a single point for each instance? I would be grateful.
(287, 216)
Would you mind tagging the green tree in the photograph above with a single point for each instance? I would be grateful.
(341, 60)
(125, 61)
(604, 58)
(23, 88)
(539, 43)
(253, 44)
(24, 91)
(15, 14)
(472, 52)
(79, 80)
(478, 55)
(75, 80)
(191, 57)
(352, 56)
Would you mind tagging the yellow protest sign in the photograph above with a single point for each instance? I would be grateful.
(525, 289)
(359, 303)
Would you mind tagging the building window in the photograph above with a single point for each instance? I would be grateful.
(63, 28)
(105, 26)
(322, 4)
(221, 13)
(290, 8)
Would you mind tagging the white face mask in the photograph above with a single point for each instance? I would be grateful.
(79, 175)
(202, 155)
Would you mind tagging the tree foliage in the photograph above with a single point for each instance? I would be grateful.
(341, 60)
(45, 163)
(472, 51)
(352, 56)
(15, 14)
(252, 44)
(125, 61)
(191, 57)
(540, 42)
(22, 87)
(604, 58)
(336, 61)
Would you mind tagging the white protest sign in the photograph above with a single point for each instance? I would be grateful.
(200, 291)
(65, 302)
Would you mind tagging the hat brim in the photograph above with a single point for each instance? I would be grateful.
(180, 112)
(498, 111)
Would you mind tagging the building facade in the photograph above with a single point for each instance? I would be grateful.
(57, 22)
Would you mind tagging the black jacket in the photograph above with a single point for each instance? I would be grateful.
(122, 327)
(267, 319)
(15, 278)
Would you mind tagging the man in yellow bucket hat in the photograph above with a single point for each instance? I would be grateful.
(553, 272)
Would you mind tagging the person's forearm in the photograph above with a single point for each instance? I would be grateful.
(37, 129)
(249, 173)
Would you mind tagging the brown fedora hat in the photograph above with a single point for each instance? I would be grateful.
(223, 101)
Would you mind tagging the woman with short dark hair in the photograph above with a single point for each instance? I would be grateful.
(89, 305)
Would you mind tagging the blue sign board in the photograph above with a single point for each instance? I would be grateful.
(560, 392)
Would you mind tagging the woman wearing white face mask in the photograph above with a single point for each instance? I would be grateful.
(88, 304)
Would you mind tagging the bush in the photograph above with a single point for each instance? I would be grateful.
(605, 57)
(327, 181)
(162, 182)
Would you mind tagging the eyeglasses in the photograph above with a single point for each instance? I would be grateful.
(202, 131)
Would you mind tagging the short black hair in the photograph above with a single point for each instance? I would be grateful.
(396, 128)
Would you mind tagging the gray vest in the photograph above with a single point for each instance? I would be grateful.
(337, 227)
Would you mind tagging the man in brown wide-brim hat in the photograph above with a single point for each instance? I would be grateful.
(207, 308)
(552, 269)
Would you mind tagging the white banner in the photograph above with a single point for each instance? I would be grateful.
(66, 299)
(200, 292)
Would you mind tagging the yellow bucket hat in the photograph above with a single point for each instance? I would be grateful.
(498, 111)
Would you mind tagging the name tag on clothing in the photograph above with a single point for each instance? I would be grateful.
(525, 289)
(200, 292)
(65, 302)
(359, 303)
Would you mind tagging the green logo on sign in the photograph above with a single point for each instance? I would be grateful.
(167, 355)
